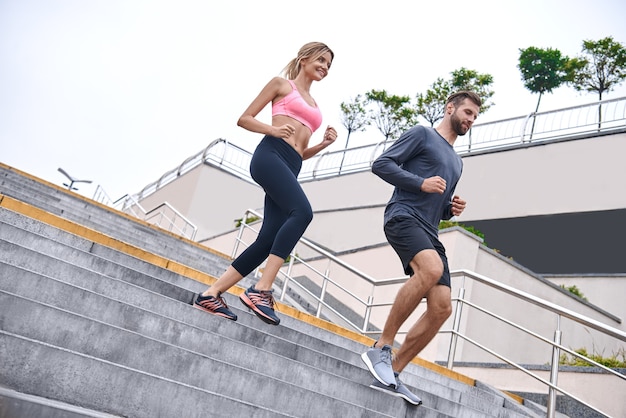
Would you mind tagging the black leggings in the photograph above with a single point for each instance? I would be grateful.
(287, 213)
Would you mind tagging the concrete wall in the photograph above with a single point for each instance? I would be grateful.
(466, 252)
(543, 179)
(557, 207)
(590, 387)
(210, 198)
(580, 175)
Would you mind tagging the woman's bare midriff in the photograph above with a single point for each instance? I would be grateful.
(300, 139)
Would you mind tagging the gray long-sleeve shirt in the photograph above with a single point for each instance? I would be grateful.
(419, 153)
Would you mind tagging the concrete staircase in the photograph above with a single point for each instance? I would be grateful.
(96, 321)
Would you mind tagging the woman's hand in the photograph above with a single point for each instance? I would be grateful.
(329, 136)
(283, 131)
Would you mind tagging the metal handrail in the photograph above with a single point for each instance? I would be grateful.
(171, 223)
(460, 301)
(583, 320)
(569, 122)
(130, 205)
(556, 346)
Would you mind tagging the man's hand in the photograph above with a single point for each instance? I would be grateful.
(434, 184)
(458, 205)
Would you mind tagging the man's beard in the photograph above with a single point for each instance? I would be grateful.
(457, 125)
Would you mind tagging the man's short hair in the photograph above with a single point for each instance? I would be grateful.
(458, 97)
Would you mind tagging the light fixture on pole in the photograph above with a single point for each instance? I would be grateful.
(72, 180)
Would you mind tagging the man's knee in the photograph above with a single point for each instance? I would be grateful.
(444, 311)
(428, 265)
(439, 303)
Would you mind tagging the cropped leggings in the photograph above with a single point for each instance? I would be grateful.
(287, 213)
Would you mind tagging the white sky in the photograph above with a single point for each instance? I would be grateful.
(121, 91)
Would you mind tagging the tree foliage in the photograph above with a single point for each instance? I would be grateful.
(392, 114)
(432, 104)
(543, 70)
(354, 117)
(465, 79)
(601, 68)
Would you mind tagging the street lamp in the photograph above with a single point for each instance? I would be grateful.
(72, 180)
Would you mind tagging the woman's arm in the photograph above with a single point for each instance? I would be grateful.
(329, 137)
(274, 88)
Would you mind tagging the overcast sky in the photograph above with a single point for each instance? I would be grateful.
(121, 91)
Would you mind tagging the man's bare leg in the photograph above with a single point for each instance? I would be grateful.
(438, 309)
(427, 270)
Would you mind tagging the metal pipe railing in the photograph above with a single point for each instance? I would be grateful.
(341, 293)
(550, 125)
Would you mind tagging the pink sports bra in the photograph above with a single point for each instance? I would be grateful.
(294, 106)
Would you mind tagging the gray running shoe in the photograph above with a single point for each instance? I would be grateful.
(400, 391)
(378, 361)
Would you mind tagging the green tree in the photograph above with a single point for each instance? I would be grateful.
(432, 104)
(354, 117)
(393, 114)
(543, 70)
(464, 79)
(601, 68)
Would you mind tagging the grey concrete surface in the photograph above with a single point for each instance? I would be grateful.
(90, 327)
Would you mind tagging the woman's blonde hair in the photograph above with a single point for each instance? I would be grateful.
(312, 50)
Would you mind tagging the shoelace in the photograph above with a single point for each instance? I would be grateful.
(216, 302)
(385, 356)
(222, 302)
(267, 299)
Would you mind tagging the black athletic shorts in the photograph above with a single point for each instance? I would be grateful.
(408, 237)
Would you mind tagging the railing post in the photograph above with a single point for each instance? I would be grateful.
(456, 325)
(368, 312)
(318, 314)
(554, 370)
(320, 303)
(287, 276)
(523, 130)
(239, 234)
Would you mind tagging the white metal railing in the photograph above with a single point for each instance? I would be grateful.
(555, 344)
(167, 217)
(591, 119)
(329, 287)
(594, 118)
(164, 216)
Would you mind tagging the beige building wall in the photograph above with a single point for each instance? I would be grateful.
(465, 252)
(348, 221)
(558, 177)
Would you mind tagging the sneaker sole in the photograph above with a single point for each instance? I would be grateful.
(370, 367)
(396, 394)
(248, 303)
(195, 305)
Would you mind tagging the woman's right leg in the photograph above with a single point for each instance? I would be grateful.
(287, 213)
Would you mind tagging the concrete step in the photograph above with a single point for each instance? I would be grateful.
(92, 304)
(154, 336)
(14, 404)
(106, 220)
(89, 382)
(226, 367)
(56, 291)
